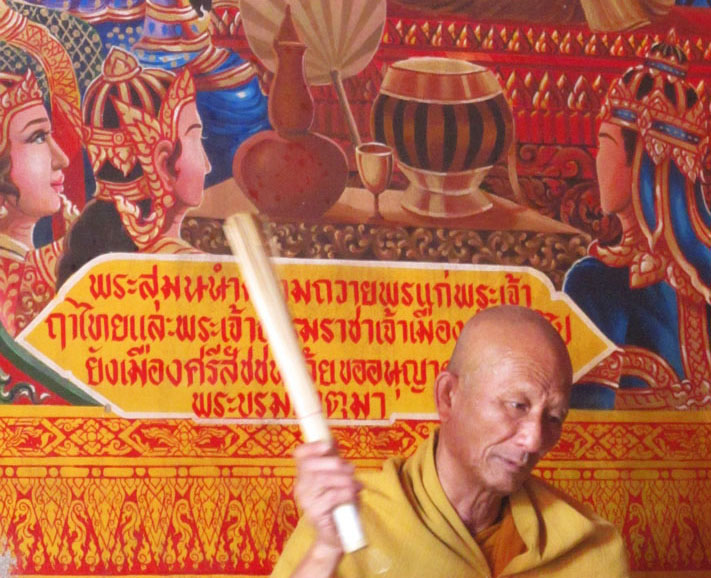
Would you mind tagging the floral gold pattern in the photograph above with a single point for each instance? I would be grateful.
(552, 253)
(86, 493)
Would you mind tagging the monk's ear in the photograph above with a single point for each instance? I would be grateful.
(445, 388)
(161, 162)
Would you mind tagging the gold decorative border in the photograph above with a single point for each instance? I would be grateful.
(84, 492)
(553, 254)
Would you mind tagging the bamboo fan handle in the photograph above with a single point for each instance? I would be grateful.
(265, 294)
(346, 108)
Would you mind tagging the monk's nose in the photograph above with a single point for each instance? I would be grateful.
(530, 435)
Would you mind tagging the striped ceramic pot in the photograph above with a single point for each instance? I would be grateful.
(448, 122)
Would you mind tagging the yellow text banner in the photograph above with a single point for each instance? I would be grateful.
(179, 337)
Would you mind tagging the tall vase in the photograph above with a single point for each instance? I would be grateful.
(291, 107)
(290, 172)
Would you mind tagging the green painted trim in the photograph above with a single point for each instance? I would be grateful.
(42, 373)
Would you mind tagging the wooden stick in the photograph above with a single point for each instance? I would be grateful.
(266, 296)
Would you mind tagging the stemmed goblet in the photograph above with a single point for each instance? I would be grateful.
(374, 161)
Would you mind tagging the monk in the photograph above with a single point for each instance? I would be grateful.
(465, 503)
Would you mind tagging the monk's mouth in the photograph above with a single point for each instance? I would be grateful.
(512, 465)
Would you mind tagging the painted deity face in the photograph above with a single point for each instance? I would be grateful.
(505, 416)
(614, 175)
(37, 162)
(193, 164)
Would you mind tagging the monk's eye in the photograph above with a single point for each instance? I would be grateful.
(556, 419)
(518, 405)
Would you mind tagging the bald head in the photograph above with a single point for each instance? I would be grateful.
(497, 330)
(501, 401)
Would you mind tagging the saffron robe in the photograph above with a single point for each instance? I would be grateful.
(413, 531)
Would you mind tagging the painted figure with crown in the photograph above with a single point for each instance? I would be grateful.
(143, 135)
(31, 187)
(174, 35)
(229, 98)
(651, 291)
(62, 73)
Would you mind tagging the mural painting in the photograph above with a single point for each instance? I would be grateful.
(409, 163)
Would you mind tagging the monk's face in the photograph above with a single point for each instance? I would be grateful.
(505, 414)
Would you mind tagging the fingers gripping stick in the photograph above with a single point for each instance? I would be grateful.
(265, 294)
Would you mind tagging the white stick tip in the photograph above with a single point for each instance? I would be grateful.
(350, 530)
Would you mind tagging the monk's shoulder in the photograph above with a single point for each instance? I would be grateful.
(385, 482)
(544, 495)
(575, 533)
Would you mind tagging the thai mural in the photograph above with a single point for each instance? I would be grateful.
(33, 183)
(409, 162)
(653, 145)
(155, 144)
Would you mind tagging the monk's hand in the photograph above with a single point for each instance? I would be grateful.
(324, 481)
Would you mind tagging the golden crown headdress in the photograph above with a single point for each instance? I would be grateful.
(17, 92)
(673, 122)
(655, 99)
(122, 78)
(128, 134)
(147, 132)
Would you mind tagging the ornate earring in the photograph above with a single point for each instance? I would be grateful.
(70, 212)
